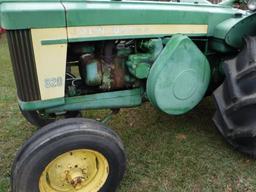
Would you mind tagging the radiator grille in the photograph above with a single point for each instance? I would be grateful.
(24, 67)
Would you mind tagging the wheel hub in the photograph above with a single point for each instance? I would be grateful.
(75, 171)
(76, 177)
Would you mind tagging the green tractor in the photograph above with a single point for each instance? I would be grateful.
(73, 55)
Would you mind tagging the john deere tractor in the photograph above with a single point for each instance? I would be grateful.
(73, 55)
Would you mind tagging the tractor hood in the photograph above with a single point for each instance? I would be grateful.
(84, 18)
(26, 14)
(31, 14)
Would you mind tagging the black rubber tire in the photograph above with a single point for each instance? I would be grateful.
(36, 119)
(63, 136)
(236, 101)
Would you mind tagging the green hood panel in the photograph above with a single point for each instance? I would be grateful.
(91, 13)
(27, 14)
(32, 14)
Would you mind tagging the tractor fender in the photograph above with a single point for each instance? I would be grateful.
(233, 30)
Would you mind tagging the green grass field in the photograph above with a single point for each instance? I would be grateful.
(165, 153)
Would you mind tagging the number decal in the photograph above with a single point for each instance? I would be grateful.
(53, 82)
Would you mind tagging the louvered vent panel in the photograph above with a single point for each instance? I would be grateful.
(24, 67)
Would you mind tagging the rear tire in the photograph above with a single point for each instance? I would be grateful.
(63, 139)
(236, 101)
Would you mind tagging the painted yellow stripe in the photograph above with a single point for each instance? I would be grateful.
(50, 62)
(127, 30)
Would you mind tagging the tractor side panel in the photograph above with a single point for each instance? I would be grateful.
(39, 66)
(50, 61)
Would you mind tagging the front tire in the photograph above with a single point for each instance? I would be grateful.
(39, 119)
(69, 155)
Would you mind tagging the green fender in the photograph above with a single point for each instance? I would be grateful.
(233, 30)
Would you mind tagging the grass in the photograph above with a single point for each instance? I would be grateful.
(165, 153)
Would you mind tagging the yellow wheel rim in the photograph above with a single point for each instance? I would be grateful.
(75, 171)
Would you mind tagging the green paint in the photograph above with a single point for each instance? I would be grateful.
(80, 13)
(32, 14)
(37, 105)
(54, 42)
(235, 29)
(180, 65)
(138, 58)
(142, 70)
(179, 77)
(117, 99)
(226, 22)
(243, 28)
(47, 14)
(220, 46)
(139, 64)
(154, 46)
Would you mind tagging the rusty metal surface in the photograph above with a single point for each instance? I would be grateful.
(118, 73)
